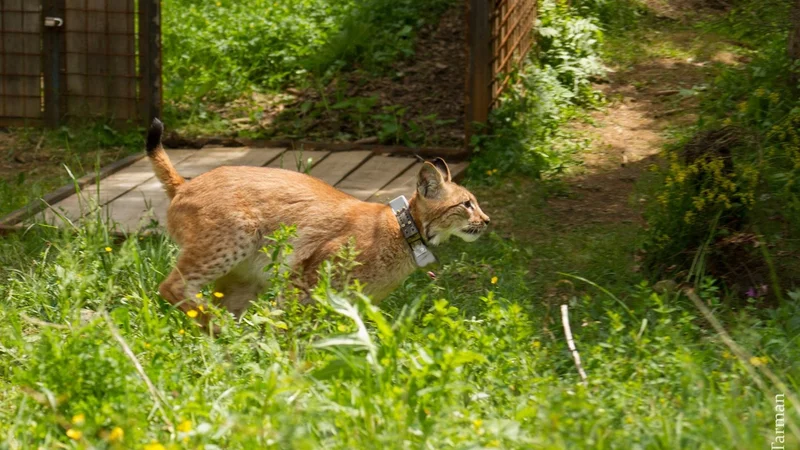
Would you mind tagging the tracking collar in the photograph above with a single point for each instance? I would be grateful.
(422, 256)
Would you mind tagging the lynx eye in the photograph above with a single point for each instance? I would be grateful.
(467, 204)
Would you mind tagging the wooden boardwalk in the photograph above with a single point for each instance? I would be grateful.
(134, 199)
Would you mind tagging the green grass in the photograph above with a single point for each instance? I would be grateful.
(219, 51)
(474, 359)
(47, 153)
(458, 362)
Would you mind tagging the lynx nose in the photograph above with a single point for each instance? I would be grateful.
(486, 220)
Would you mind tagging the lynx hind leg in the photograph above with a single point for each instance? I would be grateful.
(241, 286)
(197, 267)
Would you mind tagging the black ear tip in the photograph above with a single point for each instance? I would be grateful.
(440, 165)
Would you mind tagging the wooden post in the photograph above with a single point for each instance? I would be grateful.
(53, 63)
(479, 78)
(150, 59)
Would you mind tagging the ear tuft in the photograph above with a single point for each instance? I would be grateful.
(430, 181)
(442, 166)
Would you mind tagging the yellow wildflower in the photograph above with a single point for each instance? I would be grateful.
(201, 308)
(699, 203)
(727, 355)
(494, 280)
(477, 423)
(191, 313)
(116, 434)
(74, 434)
(78, 419)
(742, 106)
(154, 446)
(760, 92)
(181, 331)
(759, 360)
(108, 249)
(219, 294)
(536, 344)
(489, 172)
(199, 295)
(185, 426)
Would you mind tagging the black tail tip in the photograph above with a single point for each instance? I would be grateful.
(154, 135)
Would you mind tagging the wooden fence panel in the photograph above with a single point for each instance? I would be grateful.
(20, 61)
(499, 35)
(101, 59)
(79, 59)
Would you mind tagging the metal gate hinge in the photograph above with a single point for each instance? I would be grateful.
(53, 21)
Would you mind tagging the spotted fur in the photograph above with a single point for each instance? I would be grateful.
(220, 219)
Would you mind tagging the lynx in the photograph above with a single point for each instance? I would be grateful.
(220, 219)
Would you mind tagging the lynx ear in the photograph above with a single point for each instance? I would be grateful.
(442, 166)
(430, 181)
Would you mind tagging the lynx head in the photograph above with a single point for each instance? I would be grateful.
(444, 208)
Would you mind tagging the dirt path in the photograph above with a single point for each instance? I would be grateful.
(589, 222)
(648, 98)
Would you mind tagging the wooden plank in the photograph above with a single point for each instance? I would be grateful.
(148, 201)
(336, 166)
(406, 183)
(109, 188)
(402, 185)
(65, 191)
(298, 160)
(373, 175)
(448, 153)
(212, 157)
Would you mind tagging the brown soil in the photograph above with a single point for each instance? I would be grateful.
(626, 137)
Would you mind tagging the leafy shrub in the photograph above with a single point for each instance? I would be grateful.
(221, 48)
(704, 198)
(752, 190)
(374, 34)
(525, 129)
(217, 50)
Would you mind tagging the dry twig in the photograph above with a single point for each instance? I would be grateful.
(571, 342)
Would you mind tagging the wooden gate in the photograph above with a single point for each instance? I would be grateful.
(499, 35)
(62, 59)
